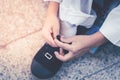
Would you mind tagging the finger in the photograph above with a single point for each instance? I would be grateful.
(55, 32)
(64, 58)
(61, 51)
(63, 45)
(49, 39)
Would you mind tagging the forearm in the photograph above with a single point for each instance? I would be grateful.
(53, 8)
(97, 39)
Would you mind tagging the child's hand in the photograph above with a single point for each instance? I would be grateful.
(51, 29)
(80, 45)
(77, 48)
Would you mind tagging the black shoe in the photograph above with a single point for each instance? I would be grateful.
(45, 64)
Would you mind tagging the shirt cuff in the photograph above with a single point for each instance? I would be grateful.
(59, 1)
(111, 27)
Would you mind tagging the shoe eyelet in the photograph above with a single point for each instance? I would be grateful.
(48, 56)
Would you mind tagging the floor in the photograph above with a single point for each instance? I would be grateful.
(20, 38)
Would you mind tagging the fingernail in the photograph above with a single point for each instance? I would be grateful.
(58, 37)
(55, 53)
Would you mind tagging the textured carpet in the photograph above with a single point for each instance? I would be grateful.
(20, 38)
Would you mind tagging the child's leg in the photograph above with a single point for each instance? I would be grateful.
(67, 29)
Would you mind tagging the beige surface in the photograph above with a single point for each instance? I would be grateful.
(20, 25)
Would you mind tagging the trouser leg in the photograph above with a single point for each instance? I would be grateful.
(67, 29)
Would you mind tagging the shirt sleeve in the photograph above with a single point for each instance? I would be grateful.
(54, 0)
(77, 12)
(111, 27)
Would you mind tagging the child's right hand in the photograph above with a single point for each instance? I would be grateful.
(51, 29)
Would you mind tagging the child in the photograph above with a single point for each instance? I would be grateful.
(71, 14)
(63, 17)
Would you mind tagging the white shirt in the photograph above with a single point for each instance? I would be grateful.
(77, 12)
(111, 27)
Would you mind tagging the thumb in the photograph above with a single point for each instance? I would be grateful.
(55, 32)
(66, 39)
(65, 57)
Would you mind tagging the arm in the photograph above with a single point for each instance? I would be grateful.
(110, 30)
(51, 24)
(53, 8)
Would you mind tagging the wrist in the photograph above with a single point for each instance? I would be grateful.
(53, 8)
(50, 15)
(97, 39)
